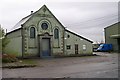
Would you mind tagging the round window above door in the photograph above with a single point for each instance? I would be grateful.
(44, 26)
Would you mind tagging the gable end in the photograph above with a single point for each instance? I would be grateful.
(79, 36)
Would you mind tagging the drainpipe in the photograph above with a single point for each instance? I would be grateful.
(22, 42)
(64, 42)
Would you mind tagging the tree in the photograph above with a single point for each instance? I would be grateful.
(2, 33)
(3, 40)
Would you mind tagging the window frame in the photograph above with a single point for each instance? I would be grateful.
(68, 47)
(68, 36)
(56, 33)
(84, 47)
(32, 33)
(42, 26)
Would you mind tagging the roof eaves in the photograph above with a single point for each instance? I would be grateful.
(79, 35)
(13, 31)
(112, 25)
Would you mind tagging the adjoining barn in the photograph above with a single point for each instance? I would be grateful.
(112, 36)
(41, 34)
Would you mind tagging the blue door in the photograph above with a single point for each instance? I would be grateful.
(46, 47)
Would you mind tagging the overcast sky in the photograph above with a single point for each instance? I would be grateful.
(88, 19)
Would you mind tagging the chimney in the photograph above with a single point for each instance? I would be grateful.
(31, 12)
(6, 30)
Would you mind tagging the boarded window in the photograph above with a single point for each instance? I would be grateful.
(56, 33)
(32, 32)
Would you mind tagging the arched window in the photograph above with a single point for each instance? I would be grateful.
(56, 33)
(32, 32)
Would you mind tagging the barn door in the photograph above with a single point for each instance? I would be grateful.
(45, 47)
(76, 48)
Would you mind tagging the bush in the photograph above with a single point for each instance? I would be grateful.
(7, 58)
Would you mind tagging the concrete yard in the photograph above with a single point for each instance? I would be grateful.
(103, 66)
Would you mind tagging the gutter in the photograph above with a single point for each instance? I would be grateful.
(115, 36)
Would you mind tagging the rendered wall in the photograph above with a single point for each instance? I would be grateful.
(15, 43)
(111, 30)
(36, 20)
(72, 40)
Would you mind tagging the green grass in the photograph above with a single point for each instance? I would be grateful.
(21, 64)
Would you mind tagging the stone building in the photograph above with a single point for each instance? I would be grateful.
(41, 34)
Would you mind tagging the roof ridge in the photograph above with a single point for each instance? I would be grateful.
(112, 24)
(34, 12)
(20, 22)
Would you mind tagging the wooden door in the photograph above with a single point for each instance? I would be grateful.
(45, 47)
(76, 48)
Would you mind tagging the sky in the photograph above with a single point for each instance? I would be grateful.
(87, 18)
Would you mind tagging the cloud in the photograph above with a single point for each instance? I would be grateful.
(85, 18)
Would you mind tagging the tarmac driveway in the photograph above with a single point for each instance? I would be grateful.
(103, 66)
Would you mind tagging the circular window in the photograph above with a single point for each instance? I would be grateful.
(44, 26)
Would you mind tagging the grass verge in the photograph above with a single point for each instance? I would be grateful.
(20, 64)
